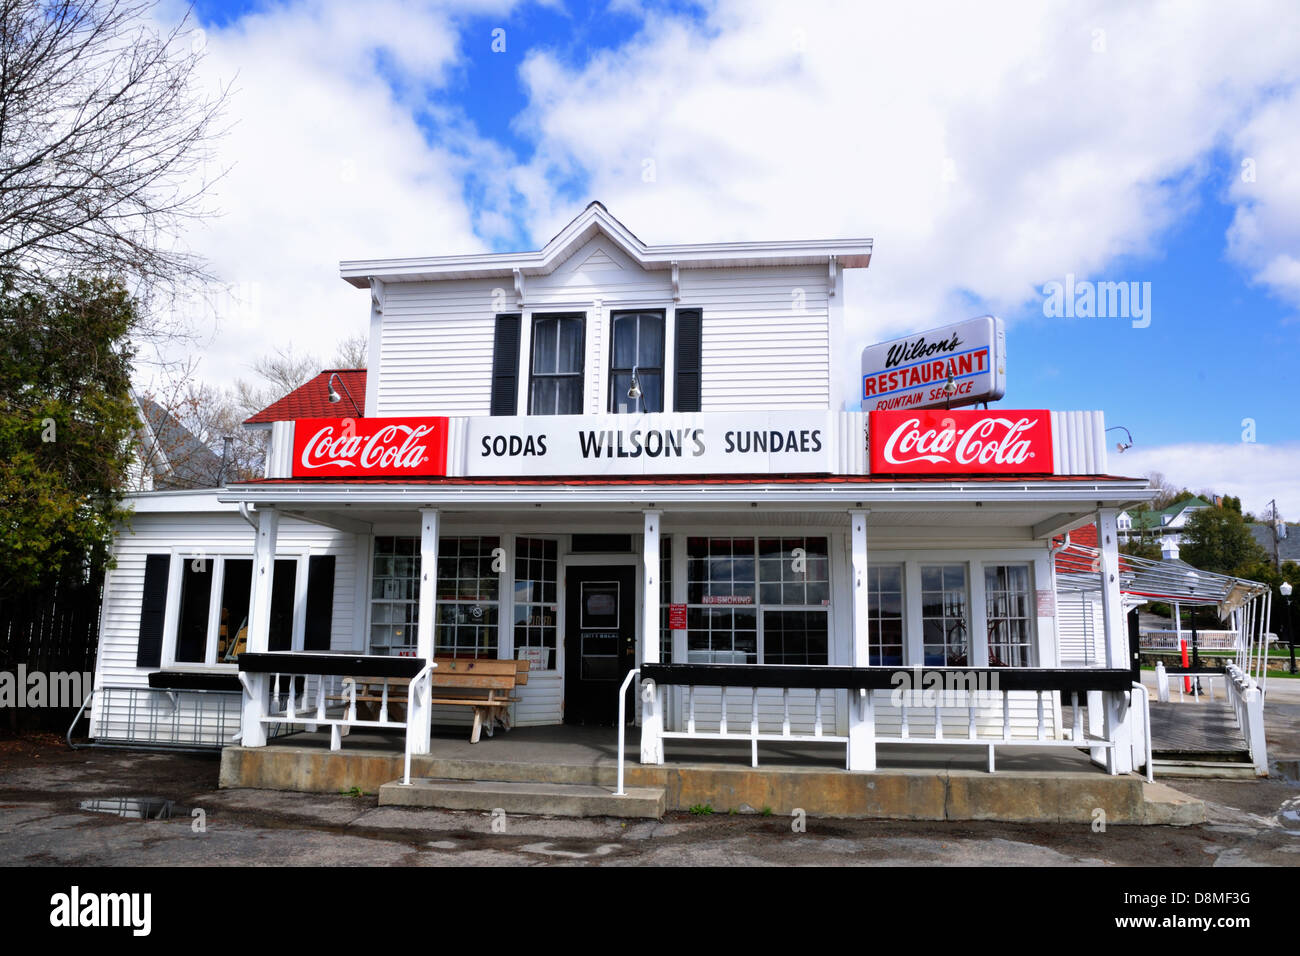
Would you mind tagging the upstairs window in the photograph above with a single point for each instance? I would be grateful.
(638, 351)
(557, 365)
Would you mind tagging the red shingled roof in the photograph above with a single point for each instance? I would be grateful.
(312, 400)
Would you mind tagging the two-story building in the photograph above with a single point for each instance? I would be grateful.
(604, 456)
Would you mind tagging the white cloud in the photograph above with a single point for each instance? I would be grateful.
(1256, 473)
(326, 163)
(1265, 233)
(985, 148)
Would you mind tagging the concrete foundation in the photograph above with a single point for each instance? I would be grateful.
(1067, 789)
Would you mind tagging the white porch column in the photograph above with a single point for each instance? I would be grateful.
(259, 627)
(419, 716)
(862, 713)
(1117, 723)
(652, 704)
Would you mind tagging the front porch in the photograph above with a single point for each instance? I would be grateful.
(564, 770)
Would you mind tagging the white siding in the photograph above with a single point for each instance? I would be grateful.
(766, 332)
(212, 534)
(436, 346)
(597, 270)
(766, 337)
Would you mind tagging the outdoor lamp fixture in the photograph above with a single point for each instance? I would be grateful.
(335, 397)
(1122, 446)
(1290, 631)
(634, 392)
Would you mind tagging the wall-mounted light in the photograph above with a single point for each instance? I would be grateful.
(634, 392)
(335, 397)
(1122, 446)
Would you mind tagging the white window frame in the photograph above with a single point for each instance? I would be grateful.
(176, 583)
(1032, 616)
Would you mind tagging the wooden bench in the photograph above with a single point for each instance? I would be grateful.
(487, 686)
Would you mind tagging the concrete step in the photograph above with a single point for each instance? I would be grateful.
(516, 771)
(540, 799)
(1165, 806)
(1205, 769)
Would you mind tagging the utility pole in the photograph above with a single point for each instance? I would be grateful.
(1277, 555)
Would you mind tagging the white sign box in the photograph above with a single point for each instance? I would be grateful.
(911, 372)
(706, 444)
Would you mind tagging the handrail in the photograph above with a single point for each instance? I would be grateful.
(1146, 729)
(425, 671)
(80, 711)
(622, 726)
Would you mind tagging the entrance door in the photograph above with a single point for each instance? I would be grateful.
(599, 641)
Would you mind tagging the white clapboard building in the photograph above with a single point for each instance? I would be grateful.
(606, 456)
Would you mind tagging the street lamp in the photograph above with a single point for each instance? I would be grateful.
(1290, 632)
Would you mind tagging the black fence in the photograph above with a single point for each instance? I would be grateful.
(48, 641)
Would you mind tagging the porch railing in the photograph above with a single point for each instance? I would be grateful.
(1162, 639)
(1247, 700)
(321, 690)
(969, 707)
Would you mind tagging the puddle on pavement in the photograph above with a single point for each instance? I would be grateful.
(132, 808)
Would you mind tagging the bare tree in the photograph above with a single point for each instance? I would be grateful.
(280, 374)
(105, 138)
(353, 352)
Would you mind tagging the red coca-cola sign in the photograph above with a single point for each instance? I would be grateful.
(944, 442)
(369, 447)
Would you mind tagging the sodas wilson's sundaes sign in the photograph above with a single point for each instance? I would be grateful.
(911, 372)
(369, 447)
(942, 442)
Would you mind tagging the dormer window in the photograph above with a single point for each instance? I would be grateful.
(556, 387)
(638, 353)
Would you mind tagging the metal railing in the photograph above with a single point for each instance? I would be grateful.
(157, 716)
(622, 726)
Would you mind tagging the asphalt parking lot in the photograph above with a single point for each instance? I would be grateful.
(43, 786)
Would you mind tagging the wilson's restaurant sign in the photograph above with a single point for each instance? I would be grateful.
(943, 442)
(912, 372)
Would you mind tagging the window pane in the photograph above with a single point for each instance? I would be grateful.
(196, 598)
(652, 392)
(569, 353)
(544, 345)
(650, 345)
(568, 396)
(625, 332)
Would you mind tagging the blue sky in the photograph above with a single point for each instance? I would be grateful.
(1105, 140)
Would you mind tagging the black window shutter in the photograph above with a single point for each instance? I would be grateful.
(686, 383)
(153, 609)
(505, 366)
(320, 602)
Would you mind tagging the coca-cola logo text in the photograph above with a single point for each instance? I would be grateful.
(358, 447)
(961, 442)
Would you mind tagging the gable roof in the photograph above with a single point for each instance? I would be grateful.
(596, 219)
(311, 400)
(175, 456)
